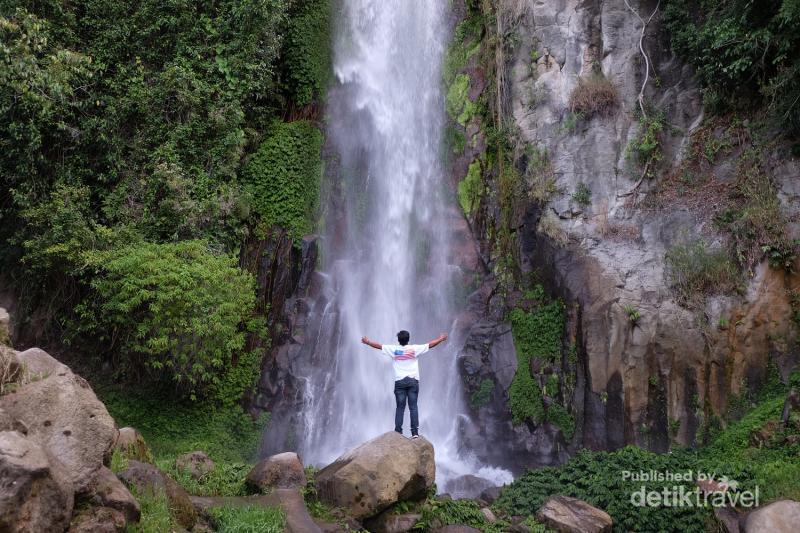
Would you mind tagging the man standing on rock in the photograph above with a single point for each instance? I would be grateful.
(406, 374)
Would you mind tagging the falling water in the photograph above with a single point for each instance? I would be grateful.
(386, 256)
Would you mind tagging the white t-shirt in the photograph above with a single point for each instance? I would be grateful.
(404, 358)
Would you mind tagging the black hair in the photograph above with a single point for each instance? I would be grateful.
(402, 337)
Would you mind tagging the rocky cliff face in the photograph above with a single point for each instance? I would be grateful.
(594, 221)
(577, 171)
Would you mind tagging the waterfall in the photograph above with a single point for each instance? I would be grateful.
(386, 258)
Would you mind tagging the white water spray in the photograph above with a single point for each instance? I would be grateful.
(386, 257)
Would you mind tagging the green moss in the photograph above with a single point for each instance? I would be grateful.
(465, 44)
(470, 189)
(537, 334)
(561, 418)
(480, 398)
(284, 176)
(458, 105)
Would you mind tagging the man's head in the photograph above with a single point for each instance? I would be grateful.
(403, 337)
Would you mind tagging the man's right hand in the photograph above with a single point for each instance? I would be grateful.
(364, 340)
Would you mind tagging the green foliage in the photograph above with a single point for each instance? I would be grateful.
(471, 188)
(156, 516)
(754, 217)
(561, 418)
(170, 428)
(247, 519)
(696, 271)
(633, 314)
(283, 176)
(537, 334)
(480, 398)
(306, 50)
(582, 195)
(179, 311)
(465, 44)
(440, 513)
(597, 479)
(743, 52)
(226, 479)
(457, 103)
(645, 149)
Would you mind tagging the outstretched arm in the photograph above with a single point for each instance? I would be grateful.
(438, 340)
(373, 344)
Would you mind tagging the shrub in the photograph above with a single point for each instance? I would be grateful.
(696, 271)
(177, 311)
(744, 52)
(645, 148)
(596, 477)
(582, 195)
(306, 50)
(284, 175)
(594, 95)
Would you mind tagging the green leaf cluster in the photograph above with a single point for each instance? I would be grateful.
(306, 51)
(743, 52)
(177, 311)
(537, 335)
(284, 174)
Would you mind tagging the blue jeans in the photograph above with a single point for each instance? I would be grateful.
(406, 389)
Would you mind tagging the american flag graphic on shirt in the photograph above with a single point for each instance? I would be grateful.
(404, 355)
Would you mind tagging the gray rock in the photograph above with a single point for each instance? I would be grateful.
(467, 486)
(146, 477)
(197, 464)
(782, 516)
(36, 493)
(110, 492)
(571, 515)
(491, 494)
(380, 472)
(131, 445)
(63, 416)
(391, 522)
(283, 471)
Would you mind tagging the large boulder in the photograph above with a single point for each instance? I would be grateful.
(380, 472)
(282, 471)
(143, 477)
(782, 516)
(197, 464)
(110, 492)
(36, 493)
(62, 415)
(571, 515)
